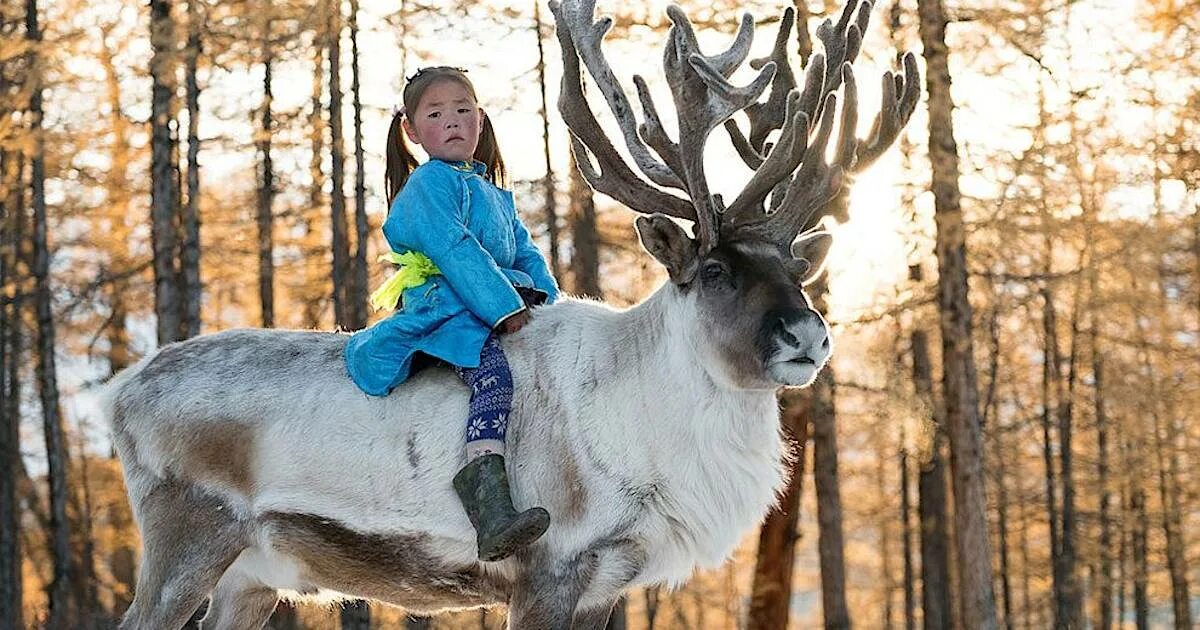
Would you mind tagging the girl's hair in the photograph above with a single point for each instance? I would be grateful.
(400, 160)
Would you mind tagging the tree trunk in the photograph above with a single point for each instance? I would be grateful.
(1105, 575)
(119, 198)
(830, 543)
(1002, 524)
(1141, 528)
(163, 178)
(266, 181)
(285, 617)
(315, 278)
(931, 493)
(977, 603)
(1123, 549)
(341, 247)
(356, 615)
(418, 623)
(991, 422)
(910, 620)
(885, 546)
(771, 590)
(549, 201)
(63, 611)
(1026, 607)
(11, 592)
(617, 620)
(190, 254)
(1049, 378)
(358, 295)
(585, 240)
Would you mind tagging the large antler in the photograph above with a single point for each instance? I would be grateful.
(802, 184)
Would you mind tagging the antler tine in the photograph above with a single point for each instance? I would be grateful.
(779, 164)
(899, 98)
(587, 35)
(615, 179)
(770, 115)
(817, 181)
(842, 42)
(704, 98)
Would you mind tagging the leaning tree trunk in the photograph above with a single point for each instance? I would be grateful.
(977, 602)
(163, 175)
(63, 612)
(931, 493)
(549, 201)
(10, 419)
(357, 295)
(585, 239)
(189, 257)
(771, 590)
(341, 246)
(266, 181)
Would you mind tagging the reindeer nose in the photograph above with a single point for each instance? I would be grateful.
(803, 331)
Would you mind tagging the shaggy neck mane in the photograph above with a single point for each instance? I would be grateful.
(649, 360)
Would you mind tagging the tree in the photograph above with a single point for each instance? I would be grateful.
(958, 374)
(189, 257)
(550, 205)
(163, 172)
(585, 239)
(266, 178)
(11, 590)
(337, 205)
(358, 294)
(770, 592)
(831, 546)
(63, 610)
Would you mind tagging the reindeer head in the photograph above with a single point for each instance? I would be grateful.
(744, 270)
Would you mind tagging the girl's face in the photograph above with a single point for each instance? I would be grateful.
(447, 122)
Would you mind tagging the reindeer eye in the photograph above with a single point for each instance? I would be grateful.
(712, 272)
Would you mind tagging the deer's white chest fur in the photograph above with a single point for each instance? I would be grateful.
(652, 449)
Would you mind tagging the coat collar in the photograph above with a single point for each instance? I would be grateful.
(474, 166)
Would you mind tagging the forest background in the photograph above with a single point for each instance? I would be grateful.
(176, 168)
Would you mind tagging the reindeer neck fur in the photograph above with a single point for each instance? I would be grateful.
(675, 455)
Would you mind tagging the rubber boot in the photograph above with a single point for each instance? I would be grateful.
(482, 485)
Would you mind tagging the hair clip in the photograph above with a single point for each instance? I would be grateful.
(397, 110)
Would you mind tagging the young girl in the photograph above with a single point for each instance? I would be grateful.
(470, 268)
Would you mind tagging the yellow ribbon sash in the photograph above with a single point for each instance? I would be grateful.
(415, 269)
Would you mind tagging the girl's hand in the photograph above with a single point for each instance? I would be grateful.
(515, 322)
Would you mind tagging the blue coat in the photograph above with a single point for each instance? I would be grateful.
(469, 228)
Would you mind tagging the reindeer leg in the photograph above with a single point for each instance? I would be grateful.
(575, 594)
(189, 538)
(239, 603)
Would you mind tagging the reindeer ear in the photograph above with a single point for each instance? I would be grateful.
(812, 247)
(669, 245)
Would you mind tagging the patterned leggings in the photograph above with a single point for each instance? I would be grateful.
(491, 394)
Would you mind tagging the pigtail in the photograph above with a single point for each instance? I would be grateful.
(488, 152)
(400, 160)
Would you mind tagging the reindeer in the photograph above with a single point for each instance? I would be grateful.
(257, 470)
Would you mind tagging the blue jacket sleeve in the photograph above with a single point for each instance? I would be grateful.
(429, 216)
(530, 260)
